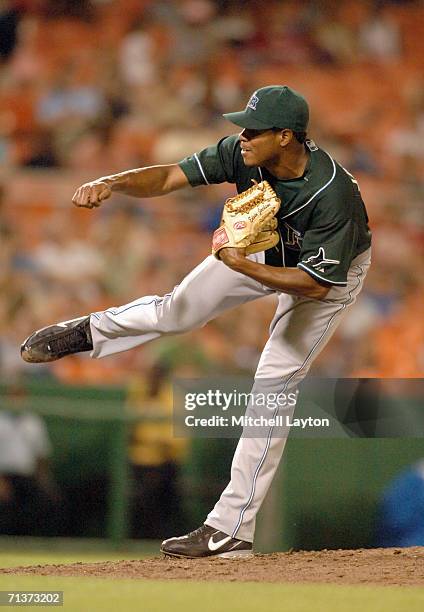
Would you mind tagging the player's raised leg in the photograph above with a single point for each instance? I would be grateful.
(207, 291)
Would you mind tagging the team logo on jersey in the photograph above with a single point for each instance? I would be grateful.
(320, 260)
(292, 238)
(253, 102)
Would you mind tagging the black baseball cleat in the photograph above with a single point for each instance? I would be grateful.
(206, 542)
(56, 341)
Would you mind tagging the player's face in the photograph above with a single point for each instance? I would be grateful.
(259, 147)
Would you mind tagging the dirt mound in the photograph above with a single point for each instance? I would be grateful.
(384, 566)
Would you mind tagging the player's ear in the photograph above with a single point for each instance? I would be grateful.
(285, 136)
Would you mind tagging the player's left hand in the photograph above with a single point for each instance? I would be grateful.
(248, 221)
(231, 255)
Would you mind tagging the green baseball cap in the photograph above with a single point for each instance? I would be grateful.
(275, 106)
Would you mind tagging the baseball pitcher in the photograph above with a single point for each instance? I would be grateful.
(298, 228)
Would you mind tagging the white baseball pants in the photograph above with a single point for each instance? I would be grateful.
(299, 331)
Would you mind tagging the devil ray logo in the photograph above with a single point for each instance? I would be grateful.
(253, 102)
(292, 237)
(319, 260)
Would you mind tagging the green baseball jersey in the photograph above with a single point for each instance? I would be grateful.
(322, 220)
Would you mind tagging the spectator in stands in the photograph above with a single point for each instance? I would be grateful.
(155, 456)
(379, 36)
(29, 496)
(400, 518)
(9, 21)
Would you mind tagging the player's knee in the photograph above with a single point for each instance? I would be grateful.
(179, 326)
(177, 316)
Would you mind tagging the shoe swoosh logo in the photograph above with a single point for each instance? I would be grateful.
(212, 545)
(64, 324)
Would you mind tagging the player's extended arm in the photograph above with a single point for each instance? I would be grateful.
(141, 182)
(289, 280)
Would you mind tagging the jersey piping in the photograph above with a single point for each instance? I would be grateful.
(327, 280)
(201, 168)
(317, 192)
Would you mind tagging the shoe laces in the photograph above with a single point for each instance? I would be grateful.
(71, 340)
(197, 531)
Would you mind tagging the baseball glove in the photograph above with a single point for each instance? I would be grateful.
(248, 221)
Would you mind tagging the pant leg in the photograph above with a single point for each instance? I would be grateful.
(210, 289)
(299, 331)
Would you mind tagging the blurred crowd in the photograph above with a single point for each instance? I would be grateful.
(88, 88)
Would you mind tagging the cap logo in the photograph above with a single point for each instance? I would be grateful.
(253, 102)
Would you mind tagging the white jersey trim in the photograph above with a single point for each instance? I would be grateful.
(327, 280)
(283, 250)
(201, 169)
(317, 192)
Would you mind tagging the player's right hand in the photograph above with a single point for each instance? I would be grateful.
(91, 195)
